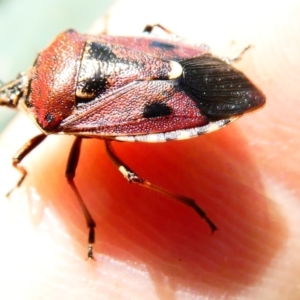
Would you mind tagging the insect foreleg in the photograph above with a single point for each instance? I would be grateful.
(70, 174)
(18, 157)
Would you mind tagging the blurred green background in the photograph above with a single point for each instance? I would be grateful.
(27, 26)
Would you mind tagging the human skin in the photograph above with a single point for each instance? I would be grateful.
(148, 246)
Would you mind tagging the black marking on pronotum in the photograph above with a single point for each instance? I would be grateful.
(100, 52)
(156, 109)
(161, 45)
(92, 80)
(93, 87)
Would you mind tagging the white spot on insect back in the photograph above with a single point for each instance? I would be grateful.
(176, 70)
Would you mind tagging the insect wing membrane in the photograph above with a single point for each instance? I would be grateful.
(219, 89)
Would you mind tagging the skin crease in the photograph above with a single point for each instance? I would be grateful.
(244, 176)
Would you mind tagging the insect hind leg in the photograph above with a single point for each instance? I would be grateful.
(132, 177)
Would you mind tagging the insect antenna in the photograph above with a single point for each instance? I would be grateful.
(11, 92)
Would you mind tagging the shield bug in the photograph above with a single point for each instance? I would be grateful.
(146, 89)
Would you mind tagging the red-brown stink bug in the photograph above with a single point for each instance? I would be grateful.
(145, 89)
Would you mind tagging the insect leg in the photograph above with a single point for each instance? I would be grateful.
(132, 177)
(151, 28)
(70, 174)
(238, 57)
(18, 157)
